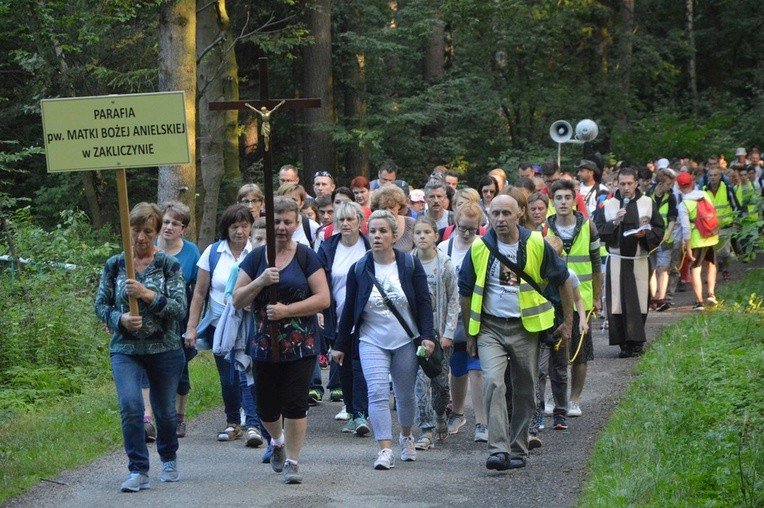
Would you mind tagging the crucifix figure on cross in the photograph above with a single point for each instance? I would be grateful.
(265, 123)
(265, 107)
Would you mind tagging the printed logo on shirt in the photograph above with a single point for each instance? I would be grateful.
(509, 282)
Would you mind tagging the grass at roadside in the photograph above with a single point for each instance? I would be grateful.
(689, 431)
(69, 433)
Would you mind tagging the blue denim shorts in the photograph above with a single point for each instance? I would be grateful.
(663, 256)
(462, 363)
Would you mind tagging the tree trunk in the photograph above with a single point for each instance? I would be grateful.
(90, 191)
(357, 157)
(434, 63)
(433, 72)
(317, 82)
(627, 44)
(217, 75)
(177, 71)
(692, 73)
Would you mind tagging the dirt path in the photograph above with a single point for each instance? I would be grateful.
(338, 467)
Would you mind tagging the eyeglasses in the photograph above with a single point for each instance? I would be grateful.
(173, 223)
(464, 229)
(323, 173)
(250, 201)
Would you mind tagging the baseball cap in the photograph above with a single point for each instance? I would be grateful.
(417, 196)
(587, 164)
(684, 179)
(661, 164)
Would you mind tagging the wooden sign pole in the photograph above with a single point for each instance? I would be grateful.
(124, 223)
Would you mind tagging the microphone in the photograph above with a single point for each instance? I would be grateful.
(625, 202)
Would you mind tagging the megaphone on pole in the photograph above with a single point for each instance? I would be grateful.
(562, 132)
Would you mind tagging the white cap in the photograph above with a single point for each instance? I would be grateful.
(662, 164)
(740, 151)
(417, 196)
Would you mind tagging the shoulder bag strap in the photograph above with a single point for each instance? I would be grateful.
(390, 305)
(509, 264)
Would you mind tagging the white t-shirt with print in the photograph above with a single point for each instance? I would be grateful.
(380, 326)
(502, 286)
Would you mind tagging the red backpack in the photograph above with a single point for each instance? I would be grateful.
(706, 221)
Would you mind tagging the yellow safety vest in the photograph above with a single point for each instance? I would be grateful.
(537, 313)
(579, 261)
(748, 199)
(663, 210)
(697, 241)
(722, 204)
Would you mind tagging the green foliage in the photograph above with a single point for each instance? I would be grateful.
(65, 433)
(688, 432)
(53, 345)
(511, 68)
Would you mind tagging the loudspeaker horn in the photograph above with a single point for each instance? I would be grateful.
(561, 131)
(586, 130)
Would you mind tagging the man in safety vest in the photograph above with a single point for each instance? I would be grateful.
(503, 316)
(723, 198)
(581, 244)
(699, 250)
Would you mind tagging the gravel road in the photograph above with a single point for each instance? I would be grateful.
(338, 467)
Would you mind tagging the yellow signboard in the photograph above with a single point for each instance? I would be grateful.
(115, 131)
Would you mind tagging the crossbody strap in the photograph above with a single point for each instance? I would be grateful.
(390, 305)
(513, 266)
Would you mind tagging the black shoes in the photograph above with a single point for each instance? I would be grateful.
(631, 349)
(502, 461)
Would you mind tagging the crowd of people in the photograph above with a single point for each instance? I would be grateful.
(498, 284)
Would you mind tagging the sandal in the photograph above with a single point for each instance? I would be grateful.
(231, 433)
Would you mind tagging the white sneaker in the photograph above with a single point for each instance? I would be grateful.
(549, 407)
(343, 415)
(574, 409)
(481, 433)
(456, 422)
(385, 460)
(408, 448)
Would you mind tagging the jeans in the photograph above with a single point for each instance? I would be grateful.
(230, 389)
(316, 383)
(378, 366)
(249, 403)
(163, 371)
(334, 376)
(354, 390)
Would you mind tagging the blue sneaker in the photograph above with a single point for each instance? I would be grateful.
(169, 472)
(267, 455)
(361, 426)
(136, 482)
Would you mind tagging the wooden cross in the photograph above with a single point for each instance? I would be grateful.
(264, 108)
